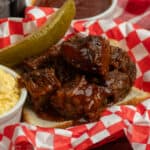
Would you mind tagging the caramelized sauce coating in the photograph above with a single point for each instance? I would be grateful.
(79, 78)
(79, 99)
(90, 54)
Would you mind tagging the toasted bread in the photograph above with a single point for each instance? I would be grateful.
(134, 97)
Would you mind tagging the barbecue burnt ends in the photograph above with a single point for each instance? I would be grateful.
(90, 54)
(45, 60)
(117, 85)
(79, 98)
(84, 76)
(41, 84)
(121, 61)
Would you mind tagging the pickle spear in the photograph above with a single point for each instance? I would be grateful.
(49, 34)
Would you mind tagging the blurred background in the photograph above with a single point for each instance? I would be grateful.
(134, 11)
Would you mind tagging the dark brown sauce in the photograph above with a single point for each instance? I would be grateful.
(85, 8)
(50, 115)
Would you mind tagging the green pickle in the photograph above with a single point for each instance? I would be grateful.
(37, 42)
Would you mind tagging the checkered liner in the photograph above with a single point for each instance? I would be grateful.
(133, 121)
(135, 11)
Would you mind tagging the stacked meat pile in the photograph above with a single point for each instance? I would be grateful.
(79, 78)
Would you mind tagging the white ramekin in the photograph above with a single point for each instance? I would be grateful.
(14, 115)
(104, 15)
(108, 12)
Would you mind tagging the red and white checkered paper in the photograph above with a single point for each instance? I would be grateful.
(133, 121)
(134, 11)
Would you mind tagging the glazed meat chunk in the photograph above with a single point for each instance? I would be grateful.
(79, 99)
(52, 58)
(117, 86)
(91, 53)
(123, 63)
(64, 71)
(45, 60)
(40, 84)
